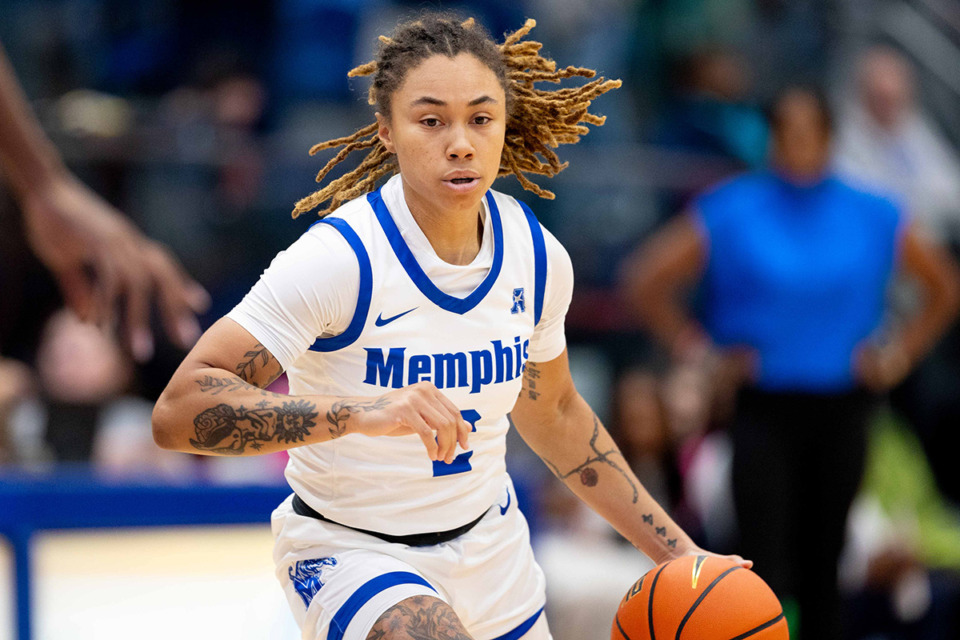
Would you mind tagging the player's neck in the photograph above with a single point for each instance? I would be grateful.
(455, 235)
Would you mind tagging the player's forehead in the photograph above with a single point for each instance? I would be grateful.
(459, 81)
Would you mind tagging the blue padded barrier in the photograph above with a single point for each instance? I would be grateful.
(76, 498)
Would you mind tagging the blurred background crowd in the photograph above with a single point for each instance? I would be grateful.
(194, 118)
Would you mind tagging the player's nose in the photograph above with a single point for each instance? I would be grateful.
(460, 145)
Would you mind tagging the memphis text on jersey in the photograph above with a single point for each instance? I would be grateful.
(474, 369)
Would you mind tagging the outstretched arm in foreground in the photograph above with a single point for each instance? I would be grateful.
(561, 428)
(96, 255)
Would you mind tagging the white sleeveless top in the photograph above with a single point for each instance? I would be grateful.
(361, 305)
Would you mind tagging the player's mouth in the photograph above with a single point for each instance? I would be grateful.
(462, 182)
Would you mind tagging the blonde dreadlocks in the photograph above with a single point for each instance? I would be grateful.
(538, 120)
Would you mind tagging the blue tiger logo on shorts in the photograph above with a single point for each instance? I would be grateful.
(305, 576)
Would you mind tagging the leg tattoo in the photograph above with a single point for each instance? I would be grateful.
(419, 618)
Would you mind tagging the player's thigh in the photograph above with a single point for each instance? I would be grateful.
(426, 617)
(419, 618)
(539, 631)
(342, 596)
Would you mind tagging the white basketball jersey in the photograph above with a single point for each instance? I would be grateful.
(406, 330)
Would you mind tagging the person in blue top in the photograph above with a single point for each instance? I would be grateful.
(793, 265)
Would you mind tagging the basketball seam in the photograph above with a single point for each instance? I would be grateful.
(696, 603)
(653, 636)
(616, 619)
(768, 623)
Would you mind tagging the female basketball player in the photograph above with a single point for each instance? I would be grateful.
(409, 325)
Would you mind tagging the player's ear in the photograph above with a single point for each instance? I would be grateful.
(385, 133)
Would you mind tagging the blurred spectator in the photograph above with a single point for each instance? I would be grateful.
(80, 370)
(795, 264)
(82, 410)
(886, 140)
(901, 567)
(15, 383)
(709, 111)
(203, 208)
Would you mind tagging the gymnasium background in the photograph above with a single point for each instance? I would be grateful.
(194, 118)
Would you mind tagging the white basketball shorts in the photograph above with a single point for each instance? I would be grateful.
(339, 581)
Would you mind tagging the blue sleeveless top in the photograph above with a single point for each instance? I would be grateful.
(798, 273)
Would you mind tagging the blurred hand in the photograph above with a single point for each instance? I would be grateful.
(100, 260)
(891, 564)
(880, 368)
(732, 369)
(726, 370)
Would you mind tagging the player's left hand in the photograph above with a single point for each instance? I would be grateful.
(697, 551)
(100, 260)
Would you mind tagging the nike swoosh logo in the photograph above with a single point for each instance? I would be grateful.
(503, 509)
(381, 321)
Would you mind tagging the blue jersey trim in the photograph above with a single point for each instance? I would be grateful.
(350, 336)
(345, 614)
(525, 626)
(539, 262)
(413, 269)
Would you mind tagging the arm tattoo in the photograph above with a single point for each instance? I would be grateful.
(257, 358)
(341, 411)
(227, 430)
(588, 475)
(419, 618)
(216, 386)
(530, 377)
(661, 531)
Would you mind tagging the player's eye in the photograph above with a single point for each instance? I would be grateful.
(430, 122)
(481, 120)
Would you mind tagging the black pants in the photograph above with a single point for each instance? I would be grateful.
(797, 464)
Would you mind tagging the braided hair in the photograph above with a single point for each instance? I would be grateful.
(538, 120)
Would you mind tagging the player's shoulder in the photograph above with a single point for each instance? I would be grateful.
(557, 256)
(346, 226)
(356, 213)
(516, 210)
(331, 244)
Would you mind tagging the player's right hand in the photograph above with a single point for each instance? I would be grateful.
(421, 409)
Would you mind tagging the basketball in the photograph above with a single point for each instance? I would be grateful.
(700, 598)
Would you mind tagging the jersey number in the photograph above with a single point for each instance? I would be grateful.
(460, 464)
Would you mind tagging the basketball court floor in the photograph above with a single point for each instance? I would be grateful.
(152, 584)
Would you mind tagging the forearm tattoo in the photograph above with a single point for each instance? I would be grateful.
(227, 430)
(661, 531)
(588, 474)
(341, 411)
(419, 618)
(255, 362)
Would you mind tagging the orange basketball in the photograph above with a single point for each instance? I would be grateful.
(699, 598)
